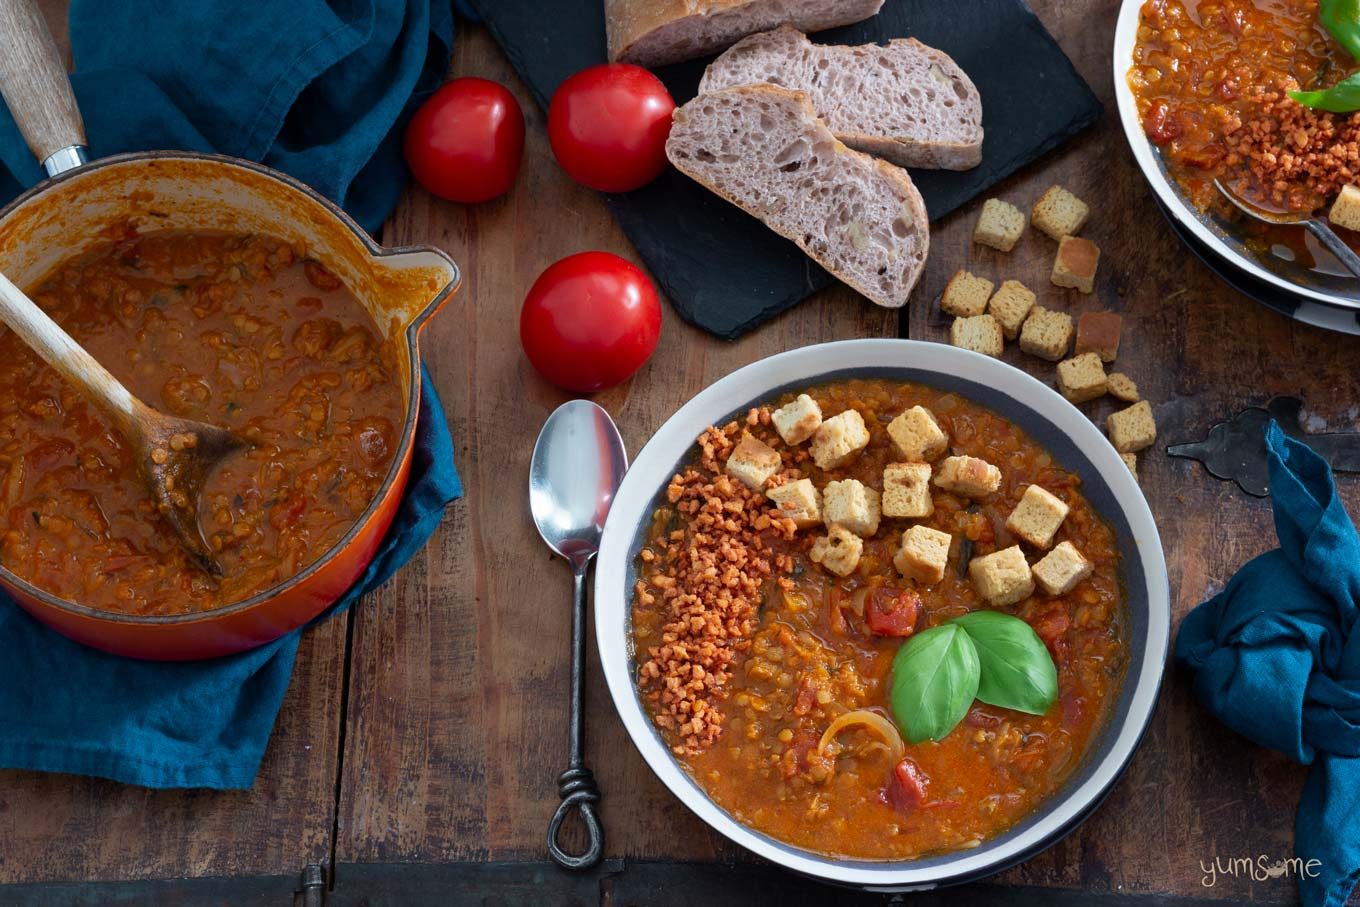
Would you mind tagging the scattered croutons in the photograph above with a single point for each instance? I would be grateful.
(1122, 388)
(1132, 429)
(966, 295)
(1082, 378)
(797, 421)
(1046, 334)
(924, 554)
(906, 491)
(1131, 461)
(1098, 332)
(852, 504)
(916, 436)
(1000, 225)
(1075, 264)
(1059, 571)
(979, 333)
(1002, 578)
(1345, 211)
(800, 501)
(838, 551)
(1010, 306)
(753, 461)
(968, 476)
(838, 439)
(1037, 517)
(1059, 213)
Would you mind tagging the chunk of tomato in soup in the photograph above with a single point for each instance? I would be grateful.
(892, 612)
(906, 788)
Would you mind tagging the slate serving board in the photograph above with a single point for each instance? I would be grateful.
(722, 269)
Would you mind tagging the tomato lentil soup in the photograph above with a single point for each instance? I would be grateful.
(243, 332)
(748, 651)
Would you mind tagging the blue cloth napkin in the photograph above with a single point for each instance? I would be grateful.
(1276, 657)
(317, 89)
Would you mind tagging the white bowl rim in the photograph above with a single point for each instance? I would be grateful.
(1125, 38)
(806, 365)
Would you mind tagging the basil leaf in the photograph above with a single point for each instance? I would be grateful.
(935, 677)
(1016, 670)
(1343, 97)
(1342, 19)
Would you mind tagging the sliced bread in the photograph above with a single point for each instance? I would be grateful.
(657, 32)
(903, 101)
(764, 149)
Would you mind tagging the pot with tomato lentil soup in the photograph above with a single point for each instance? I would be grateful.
(244, 332)
(769, 677)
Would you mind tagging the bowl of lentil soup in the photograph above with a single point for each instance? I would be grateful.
(756, 682)
(1202, 87)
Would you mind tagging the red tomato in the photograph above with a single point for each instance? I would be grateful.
(465, 143)
(608, 126)
(892, 612)
(907, 787)
(590, 321)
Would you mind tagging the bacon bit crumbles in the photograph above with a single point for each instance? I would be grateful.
(1299, 157)
(708, 583)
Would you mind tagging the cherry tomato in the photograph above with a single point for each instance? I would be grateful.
(590, 321)
(465, 143)
(608, 126)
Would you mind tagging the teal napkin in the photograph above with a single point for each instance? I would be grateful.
(321, 91)
(1276, 657)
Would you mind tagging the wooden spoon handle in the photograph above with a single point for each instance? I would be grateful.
(34, 83)
(46, 338)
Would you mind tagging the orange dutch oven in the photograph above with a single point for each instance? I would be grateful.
(163, 190)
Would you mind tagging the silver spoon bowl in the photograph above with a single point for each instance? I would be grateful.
(578, 464)
(1314, 225)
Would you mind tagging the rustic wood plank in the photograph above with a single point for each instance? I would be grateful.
(457, 726)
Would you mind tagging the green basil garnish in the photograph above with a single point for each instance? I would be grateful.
(1016, 670)
(1341, 18)
(935, 678)
(1343, 97)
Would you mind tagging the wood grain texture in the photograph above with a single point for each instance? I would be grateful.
(34, 83)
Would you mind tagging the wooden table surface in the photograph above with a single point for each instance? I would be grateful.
(420, 740)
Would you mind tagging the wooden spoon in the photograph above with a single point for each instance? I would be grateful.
(175, 456)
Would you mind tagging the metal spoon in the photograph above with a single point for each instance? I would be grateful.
(174, 456)
(577, 466)
(1314, 225)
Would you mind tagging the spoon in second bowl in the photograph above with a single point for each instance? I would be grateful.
(1314, 225)
(577, 466)
(174, 456)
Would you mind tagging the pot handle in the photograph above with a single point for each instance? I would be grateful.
(34, 83)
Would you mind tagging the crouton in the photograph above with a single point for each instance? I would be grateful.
(1046, 334)
(838, 551)
(1059, 213)
(1037, 517)
(1010, 307)
(800, 501)
(1131, 461)
(980, 333)
(852, 504)
(1122, 388)
(1002, 578)
(1059, 571)
(916, 436)
(1098, 332)
(1132, 429)
(753, 461)
(1075, 264)
(966, 295)
(968, 477)
(1082, 378)
(838, 439)
(1345, 211)
(797, 421)
(906, 491)
(999, 225)
(923, 555)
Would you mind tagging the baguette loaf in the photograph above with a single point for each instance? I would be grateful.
(657, 32)
(763, 149)
(905, 102)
